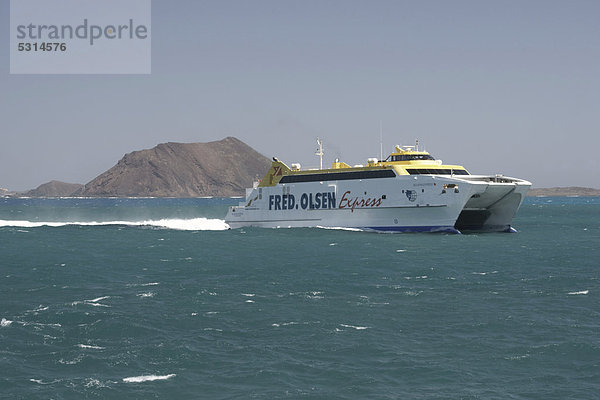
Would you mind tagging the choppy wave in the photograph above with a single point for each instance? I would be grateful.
(194, 224)
(147, 378)
(40, 382)
(580, 292)
(92, 302)
(88, 346)
(358, 328)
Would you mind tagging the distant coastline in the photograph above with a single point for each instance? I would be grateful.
(571, 191)
(564, 191)
(221, 168)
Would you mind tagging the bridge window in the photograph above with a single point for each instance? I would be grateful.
(410, 157)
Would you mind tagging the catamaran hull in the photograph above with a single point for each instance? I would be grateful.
(413, 219)
(493, 209)
(399, 204)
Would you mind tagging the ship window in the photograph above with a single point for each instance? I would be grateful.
(410, 157)
(436, 171)
(338, 176)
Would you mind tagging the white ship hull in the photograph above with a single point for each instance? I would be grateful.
(404, 203)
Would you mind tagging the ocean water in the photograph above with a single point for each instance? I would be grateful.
(154, 298)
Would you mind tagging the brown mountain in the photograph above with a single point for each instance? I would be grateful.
(222, 168)
(53, 189)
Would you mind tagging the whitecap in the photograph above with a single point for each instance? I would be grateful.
(76, 360)
(40, 382)
(93, 382)
(39, 324)
(250, 301)
(5, 322)
(39, 308)
(276, 325)
(142, 284)
(147, 378)
(581, 292)
(517, 357)
(97, 299)
(88, 346)
(97, 304)
(358, 328)
(314, 295)
(145, 295)
(248, 294)
(92, 302)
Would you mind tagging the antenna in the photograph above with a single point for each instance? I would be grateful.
(380, 140)
(320, 151)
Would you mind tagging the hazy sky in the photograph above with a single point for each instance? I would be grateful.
(508, 87)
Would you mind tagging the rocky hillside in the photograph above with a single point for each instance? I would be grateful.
(53, 189)
(222, 168)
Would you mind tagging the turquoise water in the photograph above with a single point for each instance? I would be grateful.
(153, 298)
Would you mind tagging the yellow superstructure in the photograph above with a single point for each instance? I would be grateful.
(407, 160)
(410, 161)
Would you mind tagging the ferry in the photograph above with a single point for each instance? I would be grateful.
(409, 191)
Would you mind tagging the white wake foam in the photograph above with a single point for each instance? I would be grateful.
(147, 378)
(358, 328)
(580, 292)
(340, 228)
(40, 382)
(142, 284)
(194, 224)
(97, 299)
(87, 346)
